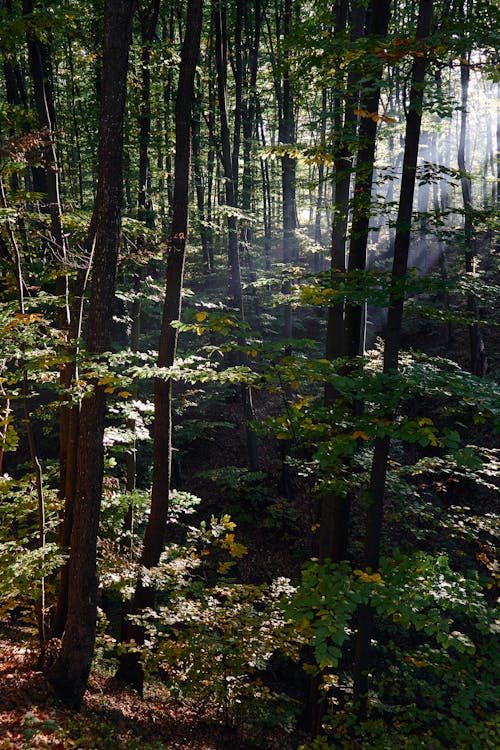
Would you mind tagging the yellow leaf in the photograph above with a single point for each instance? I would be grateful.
(201, 316)
(385, 118)
(294, 385)
(360, 434)
(124, 394)
(200, 331)
(364, 576)
(109, 389)
(373, 116)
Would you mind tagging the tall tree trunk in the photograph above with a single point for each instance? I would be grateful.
(374, 513)
(39, 61)
(478, 362)
(321, 181)
(370, 96)
(249, 112)
(227, 158)
(71, 373)
(148, 15)
(229, 165)
(199, 183)
(335, 509)
(288, 169)
(70, 671)
(130, 669)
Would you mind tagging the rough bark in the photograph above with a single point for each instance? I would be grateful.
(70, 671)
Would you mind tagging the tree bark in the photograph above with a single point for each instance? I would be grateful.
(69, 673)
(370, 96)
(335, 509)
(130, 668)
(376, 491)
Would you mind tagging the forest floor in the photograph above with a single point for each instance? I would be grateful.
(112, 716)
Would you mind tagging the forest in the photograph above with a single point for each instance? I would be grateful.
(249, 374)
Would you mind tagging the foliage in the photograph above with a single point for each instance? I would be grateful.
(211, 641)
(213, 638)
(435, 657)
(23, 562)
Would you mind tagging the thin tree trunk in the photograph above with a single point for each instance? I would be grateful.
(478, 362)
(38, 54)
(227, 158)
(288, 170)
(130, 668)
(374, 514)
(229, 164)
(321, 181)
(335, 509)
(148, 15)
(370, 97)
(75, 330)
(35, 462)
(199, 184)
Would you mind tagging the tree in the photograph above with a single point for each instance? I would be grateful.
(347, 320)
(69, 673)
(130, 669)
(478, 361)
(374, 515)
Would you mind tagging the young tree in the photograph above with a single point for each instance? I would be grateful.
(69, 673)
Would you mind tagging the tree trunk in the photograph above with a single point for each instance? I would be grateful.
(148, 16)
(334, 509)
(199, 186)
(70, 671)
(227, 158)
(370, 97)
(230, 166)
(478, 362)
(288, 170)
(130, 669)
(374, 514)
(39, 61)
